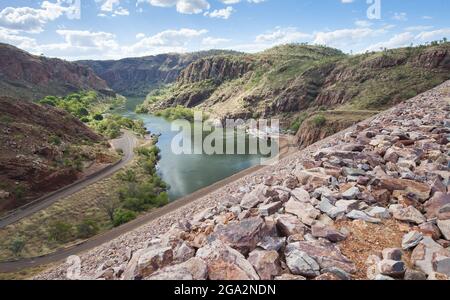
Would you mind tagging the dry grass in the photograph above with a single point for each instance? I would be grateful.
(72, 210)
(23, 274)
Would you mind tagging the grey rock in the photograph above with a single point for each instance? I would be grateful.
(410, 214)
(351, 193)
(305, 211)
(301, 195)
(300, 263)
(379, 212)
(332, 211)
(444, 226)
(242, 236)
(349, 205)
(392, 268)
(411, 239)
(328, 233)
(270, 209)
(360, 215)
(290, 225)
(392, 254)
(326, 254)
(255, 197)
(270, 243)
(353, 172)
(415, 275)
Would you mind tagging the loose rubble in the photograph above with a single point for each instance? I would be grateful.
(285, 222)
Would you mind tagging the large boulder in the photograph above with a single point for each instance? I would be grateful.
(290, 225)
(420, 190)
(153, 260)
(409, 214)
(444, 226)
(242, 236)
(266, 263)
(425, 254)
(300, 263)
(255, 197)
(305, 211)
(226, 263)
(314, 177)
(193, 269)
(433, 205)
(326, 254)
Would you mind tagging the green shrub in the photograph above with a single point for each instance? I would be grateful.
(98, 117)
(127, 176)
(122, 216)
(55, 140)
(87, 229)
(319, 121)
(19, 192)
(17, 245)
(295, 126)
(60, 232)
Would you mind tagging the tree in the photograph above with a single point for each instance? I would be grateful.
(123, 216)
(60, 232)
(87, 229)
(109, 205)
(17, 245)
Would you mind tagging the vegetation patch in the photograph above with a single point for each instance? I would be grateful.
(95, 111)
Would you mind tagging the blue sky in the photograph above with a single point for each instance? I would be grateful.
(111, 29)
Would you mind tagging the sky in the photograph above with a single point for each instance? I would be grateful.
(114, 29)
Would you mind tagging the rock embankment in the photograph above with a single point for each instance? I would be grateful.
(370, 202)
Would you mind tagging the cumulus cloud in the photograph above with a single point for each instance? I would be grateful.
(34, 19)
(112, 7)
(182, 6)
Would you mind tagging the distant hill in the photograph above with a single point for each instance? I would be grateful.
(138, 76)
(314, 90)
(30, 77)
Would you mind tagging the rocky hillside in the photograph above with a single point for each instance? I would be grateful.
(29, 77)
(371, 202)
(138, 76)
(42, 149)
(299, 83)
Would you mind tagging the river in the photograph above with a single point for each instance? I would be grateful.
(186, 173)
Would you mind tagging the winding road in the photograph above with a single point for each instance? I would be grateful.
(127, 142)
(14, 266)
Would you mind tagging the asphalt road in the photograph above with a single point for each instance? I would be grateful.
(60, 255)
(127, 142)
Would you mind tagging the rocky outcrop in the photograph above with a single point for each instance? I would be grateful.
(138, 76)
(29, 77)
(34, 143)
(344, 210)
(218, 69)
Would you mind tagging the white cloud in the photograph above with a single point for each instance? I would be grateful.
(221, 13)
(112, 7)
(212, 42)
(282, 36)
(400, 16)
(346, 37)
(34, 19)
(182, 6)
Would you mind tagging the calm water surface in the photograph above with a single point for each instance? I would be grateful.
(188, 173)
